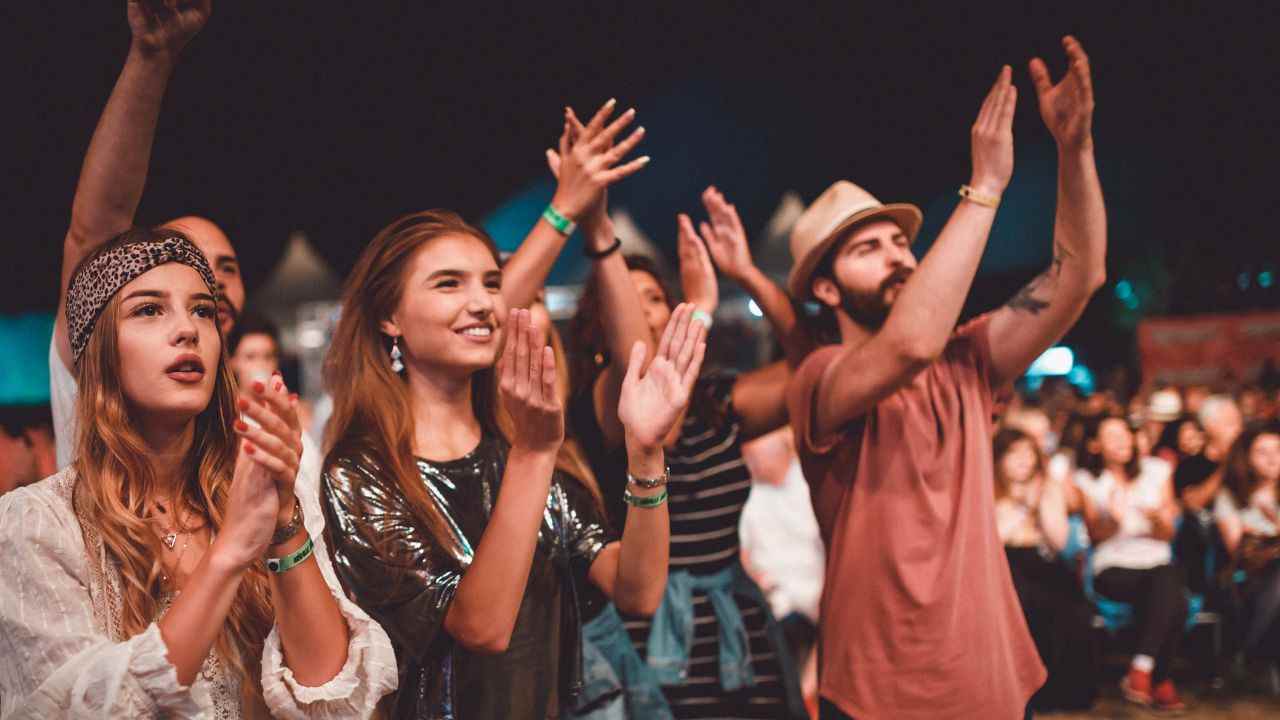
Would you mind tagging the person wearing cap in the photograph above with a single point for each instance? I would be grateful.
(919, 618)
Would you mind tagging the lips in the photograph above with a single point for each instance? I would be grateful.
(186, 368)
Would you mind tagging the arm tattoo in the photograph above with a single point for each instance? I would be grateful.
(1026, 300)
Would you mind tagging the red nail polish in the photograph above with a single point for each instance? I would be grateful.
(242, 425)
(258, 387)
(249, 448)
(242, 404)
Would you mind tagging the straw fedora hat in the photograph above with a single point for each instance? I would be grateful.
(839, 208)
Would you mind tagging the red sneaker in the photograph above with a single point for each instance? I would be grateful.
(1166, 698)
(1136, 687)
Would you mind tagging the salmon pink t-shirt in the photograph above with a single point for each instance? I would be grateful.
(919, 618)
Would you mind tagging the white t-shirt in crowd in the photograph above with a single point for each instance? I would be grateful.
(1259, 518)
(780, 536)
(1132, 546)
(62, 397)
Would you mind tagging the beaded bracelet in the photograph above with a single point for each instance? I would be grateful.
(644, 502)
(650, 483)
(297, 557)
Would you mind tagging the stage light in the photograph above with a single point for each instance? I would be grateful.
(754, 309)
(1243, 281)
(1266, 279)
(1058, 360)
(1124, 290)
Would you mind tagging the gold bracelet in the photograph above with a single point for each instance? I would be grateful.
(969, 193)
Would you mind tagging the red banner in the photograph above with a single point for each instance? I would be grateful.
(1206, 349)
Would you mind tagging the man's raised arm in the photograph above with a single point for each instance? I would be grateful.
(1042, 312)
(924, 315)
(115, 166)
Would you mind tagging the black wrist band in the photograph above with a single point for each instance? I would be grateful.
(601, 254)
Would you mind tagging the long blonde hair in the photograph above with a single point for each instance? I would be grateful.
(114, 481)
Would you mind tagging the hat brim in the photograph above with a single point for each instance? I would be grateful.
(907, 216)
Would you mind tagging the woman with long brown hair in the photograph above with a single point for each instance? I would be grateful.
(463, 540)
(710, 672)
(172, 570)
(1247, 512)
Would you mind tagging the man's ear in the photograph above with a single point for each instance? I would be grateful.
(825, 291)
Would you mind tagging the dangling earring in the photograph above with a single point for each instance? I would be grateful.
(397, 365)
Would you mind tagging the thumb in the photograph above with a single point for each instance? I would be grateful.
(1039, 76)
(553, 162)
(638, 354)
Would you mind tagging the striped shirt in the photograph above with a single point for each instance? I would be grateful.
(708, 489)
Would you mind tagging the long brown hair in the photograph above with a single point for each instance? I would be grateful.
(114, 481)
(1239, 476)
(371, 408)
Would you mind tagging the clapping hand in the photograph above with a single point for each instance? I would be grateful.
(166, 26)
(992, 137)
(587, 162)
(527, 381)
(1066, 108)
(654, 398)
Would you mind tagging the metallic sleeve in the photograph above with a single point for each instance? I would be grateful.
(586, 529)
(387, 562)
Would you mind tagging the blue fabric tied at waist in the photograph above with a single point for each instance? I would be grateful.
(671, 634)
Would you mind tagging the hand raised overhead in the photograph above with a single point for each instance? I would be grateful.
(588, 161)
(1066, 108)
(166, 26)
(724, 235)
(992, 137)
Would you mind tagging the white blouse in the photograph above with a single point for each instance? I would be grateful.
(62, 654)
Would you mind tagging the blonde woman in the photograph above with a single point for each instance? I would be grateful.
(172, 570)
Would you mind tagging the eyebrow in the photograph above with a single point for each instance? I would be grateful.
(224, 259)
(462, 273)
(164, 294)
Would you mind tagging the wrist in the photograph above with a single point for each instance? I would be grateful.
(158, 60)
(225, 562)
(1077, 148)
(537, 457)
(599, 234)
(645, 458)
(988, 186)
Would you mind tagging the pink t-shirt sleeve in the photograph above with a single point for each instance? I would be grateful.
(801, 401)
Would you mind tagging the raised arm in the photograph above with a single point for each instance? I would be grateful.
(925, 312)
(483, 613)
(586, 163)
(633, 572)
(1042, 312)
(115, 166)
(726, 240)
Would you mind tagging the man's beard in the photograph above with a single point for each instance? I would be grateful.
(870, 310)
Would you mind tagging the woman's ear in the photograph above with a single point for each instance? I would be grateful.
(390, 327)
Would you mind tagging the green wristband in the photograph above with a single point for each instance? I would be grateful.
(562, 224)
(645, 502)
(293, 559)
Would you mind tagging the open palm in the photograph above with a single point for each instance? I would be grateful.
(1067, 108)
(166, 27)
(724, 235)
(653, 398)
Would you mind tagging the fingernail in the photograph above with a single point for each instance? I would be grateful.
(242, 404)
(631, 112)
(242, 425)
(249, 448)
(258, 387)
(279, 386)
(611, 103)
(645, 160)
(640, 130)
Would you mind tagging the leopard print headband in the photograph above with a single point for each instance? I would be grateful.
(101, 278)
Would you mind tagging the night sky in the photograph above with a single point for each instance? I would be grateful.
(335, 117)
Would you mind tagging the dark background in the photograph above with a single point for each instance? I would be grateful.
(333, 118)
